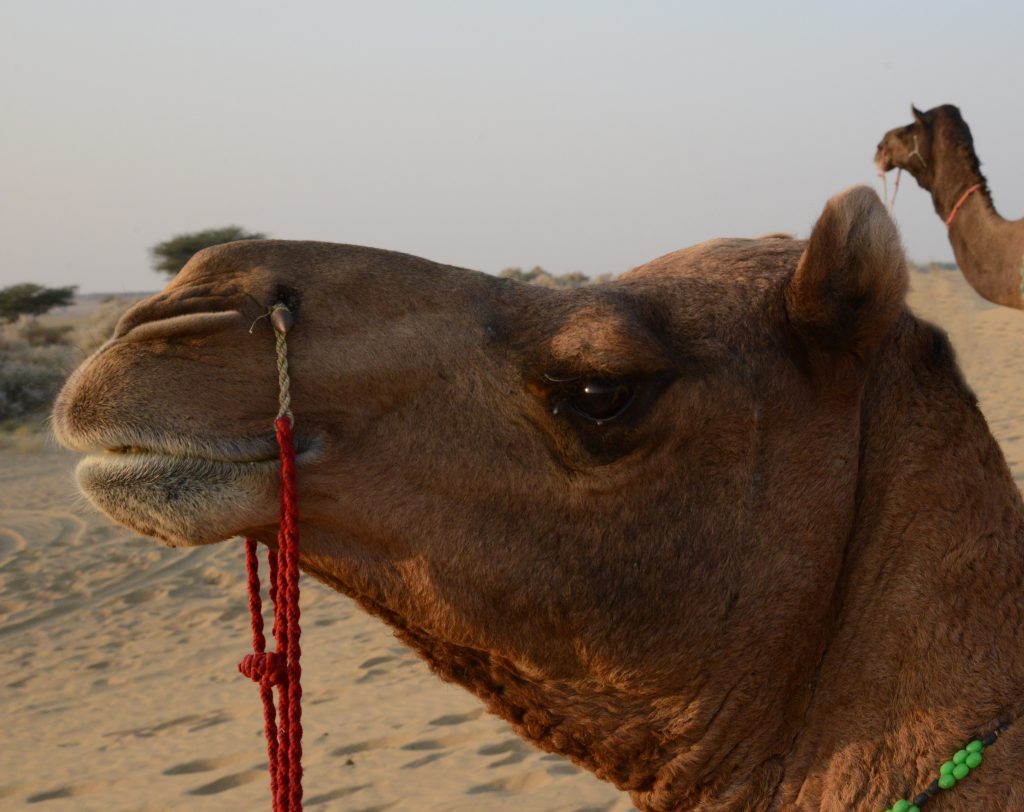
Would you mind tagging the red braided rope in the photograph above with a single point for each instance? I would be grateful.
(281, 667)
(960, 202)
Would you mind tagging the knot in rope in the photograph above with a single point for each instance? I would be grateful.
(265, 664)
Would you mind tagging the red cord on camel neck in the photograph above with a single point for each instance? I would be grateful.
(959, 203)
(281, 667)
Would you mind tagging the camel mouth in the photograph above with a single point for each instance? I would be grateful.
(186, 496)
(130, 450)
(883, 160)
(128, 442)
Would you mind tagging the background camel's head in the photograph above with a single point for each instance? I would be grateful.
(646, 480)
(919, 147)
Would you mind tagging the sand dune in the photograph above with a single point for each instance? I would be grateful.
(118, 667)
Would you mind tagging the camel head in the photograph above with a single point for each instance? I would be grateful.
(574, 502)
(923, 147)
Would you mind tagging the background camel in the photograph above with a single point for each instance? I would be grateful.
(937, 149)
(730, 531)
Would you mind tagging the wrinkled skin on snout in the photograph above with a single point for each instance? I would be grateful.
(618, 514)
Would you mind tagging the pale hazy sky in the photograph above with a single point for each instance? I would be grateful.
(586, 136)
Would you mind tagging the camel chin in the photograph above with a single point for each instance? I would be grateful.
(180, 501)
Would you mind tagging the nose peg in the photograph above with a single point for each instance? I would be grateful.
(281, 318)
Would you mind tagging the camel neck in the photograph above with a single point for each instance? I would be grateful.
(989, 251)
(988, 248)
(953, 174)
(946, 197)
(924, 651)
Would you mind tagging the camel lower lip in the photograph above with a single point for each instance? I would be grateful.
(151, 471)
(179, 499)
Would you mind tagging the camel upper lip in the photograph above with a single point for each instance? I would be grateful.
(207, 454)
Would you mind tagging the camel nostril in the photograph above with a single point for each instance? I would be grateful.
(190, 324)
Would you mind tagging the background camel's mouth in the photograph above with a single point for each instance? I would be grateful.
(883, 160)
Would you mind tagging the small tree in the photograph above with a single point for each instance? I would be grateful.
(170, 256)
(28, 299)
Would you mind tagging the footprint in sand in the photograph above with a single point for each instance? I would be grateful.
(442, 742)
(427, 744)
(421, 762)
(507, 746)
(372, 669)
(70, 791)
(194, 721)
(227, 782)
(317, 800)
(203, 765)
(457, 718)
(524, 782)
(214, 719)
(375, 661)
(361, 747)
(513, 750)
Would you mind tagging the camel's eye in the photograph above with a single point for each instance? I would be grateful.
(595, 399)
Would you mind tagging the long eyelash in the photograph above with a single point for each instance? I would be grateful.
(556, 379)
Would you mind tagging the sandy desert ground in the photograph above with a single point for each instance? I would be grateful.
(118, 660)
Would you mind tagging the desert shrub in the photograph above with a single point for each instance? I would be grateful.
(36, 357)
(91, 335)
(538, 276)
(44, 335)
(31, 375)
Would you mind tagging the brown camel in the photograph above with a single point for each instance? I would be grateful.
(730, 531)
(937, 149)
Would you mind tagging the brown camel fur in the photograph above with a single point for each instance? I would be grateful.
(729, 531)
(937, 149)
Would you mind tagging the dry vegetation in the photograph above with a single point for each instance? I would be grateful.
(37, 354)
(538, 276)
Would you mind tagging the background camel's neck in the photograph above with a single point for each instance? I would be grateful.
(927, 642)
(988, 248)
(953, 174)
(990, 251)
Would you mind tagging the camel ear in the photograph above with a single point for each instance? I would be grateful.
(918, 115)
(850, 282)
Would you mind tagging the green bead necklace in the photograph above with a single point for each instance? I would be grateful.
(956, 769)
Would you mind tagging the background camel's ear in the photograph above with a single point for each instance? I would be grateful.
(918, 115)
(851, 280)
